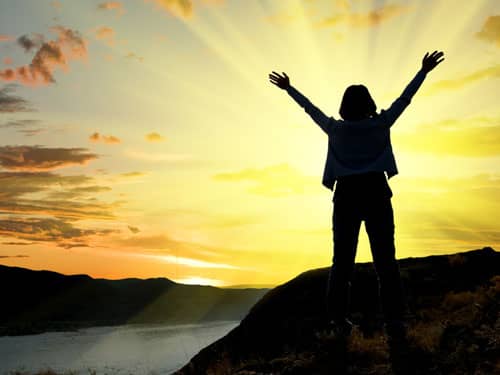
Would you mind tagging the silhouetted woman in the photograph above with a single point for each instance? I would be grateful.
(359, 163)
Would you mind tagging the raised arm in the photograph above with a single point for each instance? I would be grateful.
(283, 82)
(429, 62)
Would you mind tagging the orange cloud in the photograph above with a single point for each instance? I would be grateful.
(51, 55)
(37, 158)
(109, 139)
(154, 137)
(106, 34)
(7, 60)
(491, 30)
(5, 38)
(177, 8)
(56, 4)
(112, 6)
(181, 8)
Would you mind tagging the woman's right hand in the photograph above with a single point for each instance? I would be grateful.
(281, 82)
(429, 62)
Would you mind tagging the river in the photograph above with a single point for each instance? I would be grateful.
(129, 349)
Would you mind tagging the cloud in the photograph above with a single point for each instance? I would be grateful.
(458, 212)
(50, 194)
(7, 60)
(106, 34)
(56, 4)
(154, 137)
(473, 137)
(61, 232)
(368, 19)
(133, 174)
(181, 8)
(17, 243)
(6, 38)
(276, 180)
(133, 56)
(109, 139)
(44, 206)
(115, 6)
(38, 158)
(29, 43)
(490, 31)
(10, 103)
(178, 8)
(133, 229)
(50, 56)
(28, 127)
(459, 82)
(13, 256)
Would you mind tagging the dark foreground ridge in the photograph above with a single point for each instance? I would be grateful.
(454, 324)
(39, 301)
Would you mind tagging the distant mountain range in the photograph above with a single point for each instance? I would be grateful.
(38, 301)
(453, 317)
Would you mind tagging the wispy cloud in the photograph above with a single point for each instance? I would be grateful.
(13, 256)
(48, 230)
(472, 137)
(276, 180)
(109, 139)
(133, 229)
(461, 81)
(6, 38)
(28, 127)
(10, 103)
(154, 137)
(133, 56)
(45, 207)
(115, 6)
(50, 55)
(181, 8)
(490, 32)
(38, 158)
(50, 194)
(106, 34)
(133, 174)
(56, 4)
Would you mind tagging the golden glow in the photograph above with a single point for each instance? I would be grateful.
(206, 173)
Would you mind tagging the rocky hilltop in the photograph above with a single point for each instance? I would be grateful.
(453, 316)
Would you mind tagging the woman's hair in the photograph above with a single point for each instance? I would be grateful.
(357, 104)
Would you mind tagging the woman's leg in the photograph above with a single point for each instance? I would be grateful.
(379, 222)
(346, 223)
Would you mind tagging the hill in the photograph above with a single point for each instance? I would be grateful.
(453, 315)
(38, 301)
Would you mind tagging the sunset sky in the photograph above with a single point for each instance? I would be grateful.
(142, 138)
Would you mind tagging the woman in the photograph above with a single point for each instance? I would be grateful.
(359, 162)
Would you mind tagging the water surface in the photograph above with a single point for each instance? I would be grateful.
(129, 349)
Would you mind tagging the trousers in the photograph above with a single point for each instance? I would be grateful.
(357, 198)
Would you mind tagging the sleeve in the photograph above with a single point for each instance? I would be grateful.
(324, 122)
(399, 105)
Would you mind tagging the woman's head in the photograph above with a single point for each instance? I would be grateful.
(357, 104)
